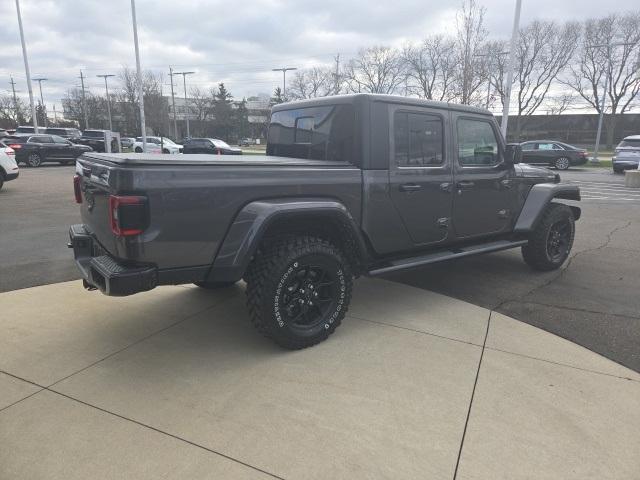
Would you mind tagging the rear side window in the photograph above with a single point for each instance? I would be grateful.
(630, 143)
(41, 139)
(418, 140)
(477, 143)
(317, 133)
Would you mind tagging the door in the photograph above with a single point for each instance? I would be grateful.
(420, 173)
(529, 152)
(64, 148)
(483, 202)
(547, 153)
(45, 147)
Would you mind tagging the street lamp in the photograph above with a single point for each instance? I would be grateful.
(34, 119)
(44, 108)
(184, 82)
(106, 89)
(284, 71)
(594, 160)
(512, 62)
(143, 126)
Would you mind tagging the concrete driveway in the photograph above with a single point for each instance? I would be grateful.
(174, 383)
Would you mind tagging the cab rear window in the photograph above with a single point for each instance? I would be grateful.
(317, 133)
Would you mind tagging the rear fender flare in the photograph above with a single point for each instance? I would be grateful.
(248, 227)
(537, 200)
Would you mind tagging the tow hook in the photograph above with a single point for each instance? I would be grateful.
(88, 286)
(69, 245)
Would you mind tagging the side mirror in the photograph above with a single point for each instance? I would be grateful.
(513, 154)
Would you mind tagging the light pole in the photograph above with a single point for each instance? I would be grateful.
(512, 62)
(186, 110)
(173, 104)
(106, 89)
(44, 108)
(284, 71)
(143, 126)
(594, 160)
(34, 119)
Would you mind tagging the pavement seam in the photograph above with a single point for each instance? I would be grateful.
(413, 330)
(576, 309)
(176, 437)
(188, 317)
(560, 364)
(473, 393)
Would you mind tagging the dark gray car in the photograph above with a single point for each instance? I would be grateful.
(552, 153)
(351, 185)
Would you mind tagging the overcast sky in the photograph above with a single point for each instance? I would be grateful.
(238, 41)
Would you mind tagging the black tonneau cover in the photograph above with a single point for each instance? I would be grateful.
(198, 159)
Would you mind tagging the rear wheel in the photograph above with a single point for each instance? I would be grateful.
(138, 150)
(562, 163)
(551, 241)
(298, 290)
(34, 159)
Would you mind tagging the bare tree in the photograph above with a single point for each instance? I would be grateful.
(311, 83)
(430, 67)
(375, 70)
(559, 104)
(470, 38)
(12, 113)
(599, 62)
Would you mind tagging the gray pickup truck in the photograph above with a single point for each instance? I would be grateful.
(351, 185)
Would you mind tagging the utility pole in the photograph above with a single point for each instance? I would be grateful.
(173, 103)
(84, 103)
(594, 160)
(143, 126)
(284, 71)
(34, 119)
(15, 100)
(186, 111)
(55, 115)
(106, 89)
(44, 107)
(336, 76)
(512, 62)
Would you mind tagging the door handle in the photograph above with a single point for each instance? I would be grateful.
(446, 187)
(465, 184)
(506, 184)
(410, 187)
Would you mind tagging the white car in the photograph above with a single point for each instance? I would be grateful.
(8, 166)
(157, 145)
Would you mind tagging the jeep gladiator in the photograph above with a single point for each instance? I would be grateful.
(350, 185)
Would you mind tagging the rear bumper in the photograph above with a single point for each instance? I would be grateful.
(624, 163)
(11, 176)
(106, 273)
(578, 161)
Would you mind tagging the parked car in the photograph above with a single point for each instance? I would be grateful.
(34, 150)
(553, 154)
(245, 142)
(157, 145)
(8, 166)
(95, 139)
(627, 154)
(212, 146)
(351, 185)
(27, 130)
(68, 133)
(127, 142)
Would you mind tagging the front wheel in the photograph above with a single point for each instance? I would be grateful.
(551, 241)
(298, 290)
(562, 163)
(138, 150)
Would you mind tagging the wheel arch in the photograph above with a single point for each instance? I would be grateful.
(260, 220)
(537, 200)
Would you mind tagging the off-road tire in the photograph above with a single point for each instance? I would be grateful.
(138, 150)
(536, 253)
(34, 160)
(214, 285)
(280, 261)
(562, 163)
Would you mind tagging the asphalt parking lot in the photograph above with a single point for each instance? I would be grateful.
(594, 301)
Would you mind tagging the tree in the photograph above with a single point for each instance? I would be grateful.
(277, 96)
(543, 52)
(12, 113)
(311, 83)
(470, 38)
(223, 112)
(73, 108)
(599, 62)
(375, 70)
(430, 67)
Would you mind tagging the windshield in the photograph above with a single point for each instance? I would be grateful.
(630, 143)
(220, 143)
(168, 141)
(93, 134)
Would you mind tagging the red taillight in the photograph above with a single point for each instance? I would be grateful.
(15, 146)
(76, 188)
(127, 215)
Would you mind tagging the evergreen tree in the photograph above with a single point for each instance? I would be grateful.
(277, 96)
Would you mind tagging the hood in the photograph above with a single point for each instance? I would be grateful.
(527, 171)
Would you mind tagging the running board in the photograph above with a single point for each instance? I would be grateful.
(446, 254)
